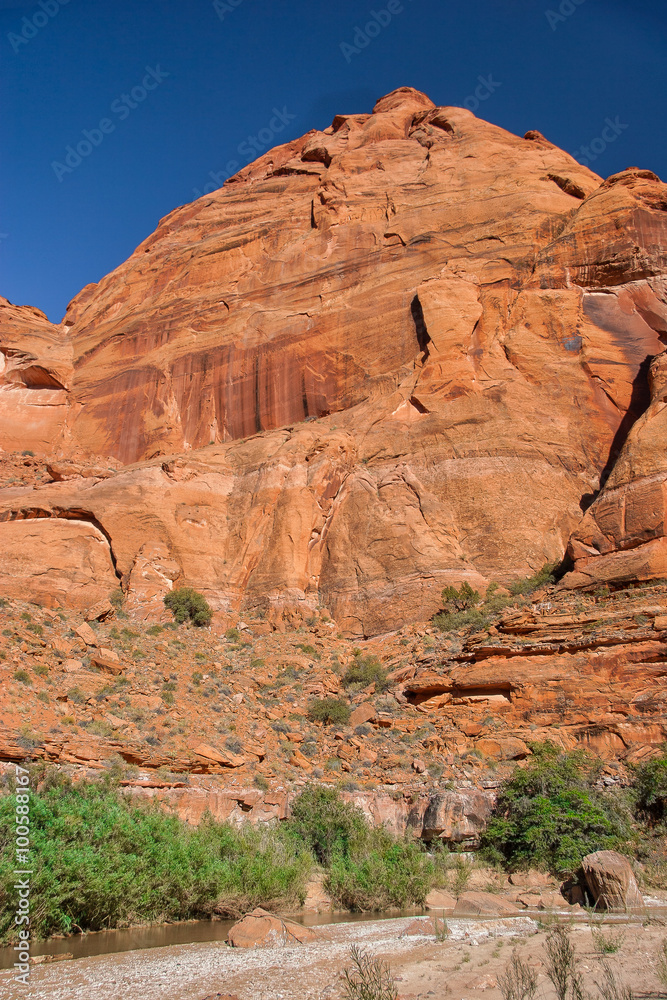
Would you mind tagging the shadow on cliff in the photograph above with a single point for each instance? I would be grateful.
(639, 401)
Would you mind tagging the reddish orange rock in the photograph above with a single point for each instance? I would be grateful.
(386, 357)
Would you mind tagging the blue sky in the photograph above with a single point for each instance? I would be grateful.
(187, 88)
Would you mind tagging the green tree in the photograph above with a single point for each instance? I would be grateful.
(549, 814)
(650, 788)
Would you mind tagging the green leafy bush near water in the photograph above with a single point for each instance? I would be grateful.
(99, 860)
(367, 868)
(550, 814)
(102, 860)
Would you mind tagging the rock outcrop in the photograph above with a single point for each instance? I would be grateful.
(623, 535)
(396, 354)
(36, 367)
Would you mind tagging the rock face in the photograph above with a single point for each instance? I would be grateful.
(35, 379)
(611, 881)
(385, 357)
(623, 535)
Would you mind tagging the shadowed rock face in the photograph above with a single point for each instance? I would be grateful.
(385, 357)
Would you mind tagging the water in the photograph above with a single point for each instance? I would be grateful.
(164, 935)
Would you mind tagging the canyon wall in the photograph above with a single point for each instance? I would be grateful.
(403, 352)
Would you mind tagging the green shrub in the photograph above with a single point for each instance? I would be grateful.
(308, 650)
(184, 603)
(531, 583)
(22, 676)
(649, 785)
(549, 814)
(365, 670)
(379, 872)
(328, 826)
(330, 711)
(460, 600)
(117, 597)
(462, 608)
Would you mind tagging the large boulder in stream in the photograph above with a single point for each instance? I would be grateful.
(261, 929)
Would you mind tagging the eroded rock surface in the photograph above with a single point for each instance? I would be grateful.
(396, 354)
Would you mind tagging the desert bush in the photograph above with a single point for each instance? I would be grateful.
(550, 814)
(460, 600)
(562, 966)
(518, 981)
(330, 711)
(117, 597)
(365, 670)
(185, 603)
(369, 978)
(328, 826)
(661, 964)
(606, 943)
(464, 608)
(531, 583)
(22, 676)
(610, 987)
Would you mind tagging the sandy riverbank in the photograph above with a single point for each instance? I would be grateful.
(463, 966)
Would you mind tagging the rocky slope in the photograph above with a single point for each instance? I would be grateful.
(219, 719)
(402, 352)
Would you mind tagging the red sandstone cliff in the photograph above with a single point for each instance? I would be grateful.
(395, 354)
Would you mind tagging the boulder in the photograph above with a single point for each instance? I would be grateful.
(611, 881)
(362, 713)
(484, 904)
(261, 929)
(439, 899)
(99, 611)
(457, 815)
